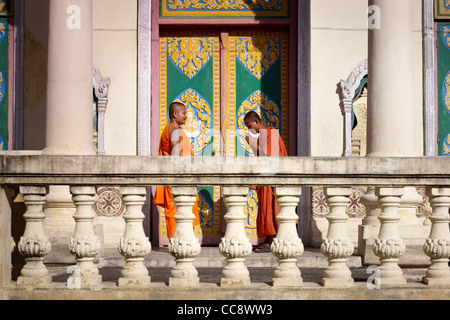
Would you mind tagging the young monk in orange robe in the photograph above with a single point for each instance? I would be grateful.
(174, 139)
(269, 143)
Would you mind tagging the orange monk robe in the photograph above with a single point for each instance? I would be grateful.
(163, 195)
(271, 144)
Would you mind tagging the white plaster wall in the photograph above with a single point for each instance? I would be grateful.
(338, 44)
(115, 52)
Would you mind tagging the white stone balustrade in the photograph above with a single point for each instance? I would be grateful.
(134, 245)
(85, 244)
(437, 246)
(389, 246)
(337, 246)
(184, 246)
(287, 246)
(387, 178)
(34, 245)
(235, 245)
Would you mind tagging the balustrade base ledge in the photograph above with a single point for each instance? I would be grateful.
(338, 283)
(143, 282)
(212, 291)
(287, 282)
(234, 282)
(34, 282)
(436, 281)
(184, 283)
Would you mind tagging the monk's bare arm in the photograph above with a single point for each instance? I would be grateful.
(175, 136)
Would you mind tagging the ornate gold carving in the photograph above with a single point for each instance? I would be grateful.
(195, 128)
(447, 91)
(206, 213)
(258, 102)
(190, 54)
(258, 54)
(251, 210)
(359, 133)
(163, 118)
(225, 4)
(2, 29)
(446, 146)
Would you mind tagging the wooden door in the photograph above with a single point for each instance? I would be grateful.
(220, 76)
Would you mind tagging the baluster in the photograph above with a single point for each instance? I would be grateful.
(287, 246)
(235, 245)
(389, 246)
(134, 245)
(184, 246)
(12, 244)
(437, 246)
(370, 201)
(34, 245)
(337, 246)
(85, 244)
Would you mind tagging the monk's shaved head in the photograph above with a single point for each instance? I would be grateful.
(175, 107)
(252, 116)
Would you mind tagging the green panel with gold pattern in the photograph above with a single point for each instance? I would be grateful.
(190, 73)
(444, 89)
(258, 78)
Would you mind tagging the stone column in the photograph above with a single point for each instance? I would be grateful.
(235, 245)
(184, 246)
(337, 246)
(85, 244)
(389, 246)
(437, 246)
(34, 244)
(134, 245)
(69, 86)
(69, 119)
(391, 109)
(287, 246)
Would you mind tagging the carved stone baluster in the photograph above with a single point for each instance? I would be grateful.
(85, 244)
(370, 201)
(34, 245)
(235, 245)
(389, 246)
(337, 246)
(134, 245)
(437, 246)
(287, 246)
(12, 244)
(184, 246)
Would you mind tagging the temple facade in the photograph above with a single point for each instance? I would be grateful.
(337, 78)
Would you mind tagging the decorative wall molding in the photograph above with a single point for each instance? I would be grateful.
(347, 90)
(429, 82)
(101, 88)
(144, 77)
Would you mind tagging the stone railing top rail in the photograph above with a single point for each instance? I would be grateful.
(33, 169)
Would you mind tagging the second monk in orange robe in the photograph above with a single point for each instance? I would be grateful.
(174, 139)
(269, 143)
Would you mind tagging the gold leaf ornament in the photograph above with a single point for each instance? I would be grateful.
(190, 54)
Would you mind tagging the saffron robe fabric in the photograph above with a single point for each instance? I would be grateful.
(163, 195)
(270, 144)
